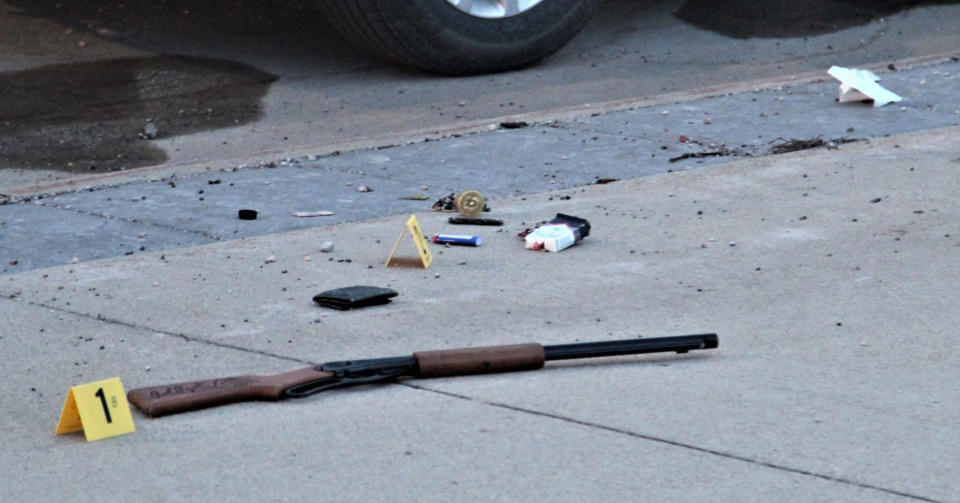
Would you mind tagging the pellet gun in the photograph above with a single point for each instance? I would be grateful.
(175, 398)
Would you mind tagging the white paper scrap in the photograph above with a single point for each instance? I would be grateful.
(859, 85)
(308, 214)
(550, 237)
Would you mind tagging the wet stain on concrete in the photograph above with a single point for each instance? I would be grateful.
(90, 117)
(789, 18)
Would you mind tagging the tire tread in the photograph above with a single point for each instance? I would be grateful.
(367, 23)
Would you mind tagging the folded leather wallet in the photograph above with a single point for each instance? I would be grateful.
(354, 296)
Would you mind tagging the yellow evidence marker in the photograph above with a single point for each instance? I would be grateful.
(99, 408)
(418, 239)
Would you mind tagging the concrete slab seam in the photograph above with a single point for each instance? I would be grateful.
(112, 321)
(674, 443)
(129, 220)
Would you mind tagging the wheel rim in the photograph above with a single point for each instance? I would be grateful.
(494, 9)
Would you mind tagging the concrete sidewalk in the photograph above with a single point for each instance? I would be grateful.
(830, 276)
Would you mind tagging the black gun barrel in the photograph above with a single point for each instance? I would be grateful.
(679, 344)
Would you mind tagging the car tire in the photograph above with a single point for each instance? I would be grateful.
(437, 36)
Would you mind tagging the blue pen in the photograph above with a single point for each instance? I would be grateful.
(457, 239)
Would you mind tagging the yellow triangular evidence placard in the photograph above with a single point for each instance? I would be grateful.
(99, 408)
(418, 239)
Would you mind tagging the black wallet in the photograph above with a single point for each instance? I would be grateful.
(354, 296)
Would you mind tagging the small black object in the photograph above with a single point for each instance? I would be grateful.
(580, 226)
(247, 214)
(514, 124)
(354, 296)
(474, 221)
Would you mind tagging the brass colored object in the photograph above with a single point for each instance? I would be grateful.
(470, 203)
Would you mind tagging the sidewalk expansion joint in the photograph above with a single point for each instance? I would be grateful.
(184, 337)
(129, 220)
(675, 443)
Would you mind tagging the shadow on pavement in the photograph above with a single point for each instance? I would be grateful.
(271, 29)
(789, 18)
(91, 116)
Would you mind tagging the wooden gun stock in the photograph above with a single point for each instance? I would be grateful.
(187, 396)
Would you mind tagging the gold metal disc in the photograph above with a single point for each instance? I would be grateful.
(470, 203)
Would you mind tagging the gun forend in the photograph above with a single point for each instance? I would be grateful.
(452, 362)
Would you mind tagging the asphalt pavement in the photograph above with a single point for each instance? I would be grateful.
(179, 210)
(829, 274)
(231, 82)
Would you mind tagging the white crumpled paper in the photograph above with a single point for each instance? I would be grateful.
(859, 85)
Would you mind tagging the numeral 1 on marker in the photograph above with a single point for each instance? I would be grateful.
(103, 401)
